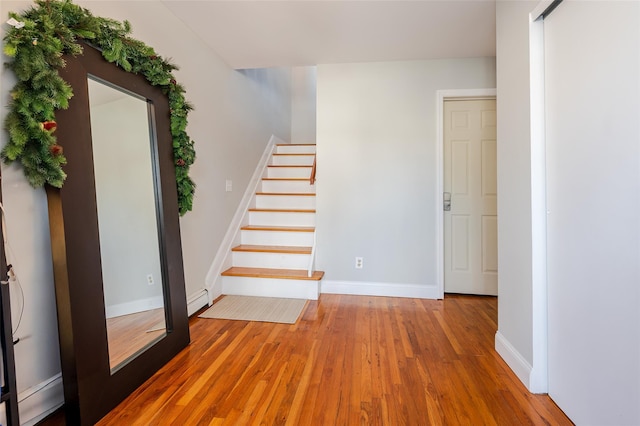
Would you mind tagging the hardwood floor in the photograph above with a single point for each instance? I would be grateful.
(128, 334)
(349, 360)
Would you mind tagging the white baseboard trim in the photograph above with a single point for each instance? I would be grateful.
(139, 305)
(380, 289)
(197, 301)
(37, 402)
(222, 259)
(514, 359)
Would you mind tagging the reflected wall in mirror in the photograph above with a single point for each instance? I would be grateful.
(132, 276)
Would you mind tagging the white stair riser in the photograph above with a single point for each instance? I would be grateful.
(270, 260)
(295, 149)
(282, 219)
(288, 186)
(289, 172)
(273, 238)
(296, 160)
(285, 202)
(271, 287)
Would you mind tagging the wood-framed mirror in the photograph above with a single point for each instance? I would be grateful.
(115, 237)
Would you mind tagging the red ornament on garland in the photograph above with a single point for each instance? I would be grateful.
(48, 125)
(180, 162)
(56, 150)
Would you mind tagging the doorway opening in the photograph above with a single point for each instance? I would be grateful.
(465, 229)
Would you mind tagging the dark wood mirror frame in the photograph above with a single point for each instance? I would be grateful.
(90, 388)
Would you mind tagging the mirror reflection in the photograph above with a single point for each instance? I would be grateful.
(127, 221)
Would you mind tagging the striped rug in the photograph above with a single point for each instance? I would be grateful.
(251, 308)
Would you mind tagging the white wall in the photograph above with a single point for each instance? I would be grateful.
(515, 303)
(303, 104)
(376, 146)
(37, 353)
(592, 79)
(235, 115)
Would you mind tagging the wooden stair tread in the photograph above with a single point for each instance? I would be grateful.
(295, 194)
(295, 144)
(294, 154)
(278, 228)
(291, 274)
(289, 165)
(272, 249)
(285, 178)
(284, 210)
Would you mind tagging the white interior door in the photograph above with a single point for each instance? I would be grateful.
(470, 189)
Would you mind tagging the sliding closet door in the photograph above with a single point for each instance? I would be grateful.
(592, 90)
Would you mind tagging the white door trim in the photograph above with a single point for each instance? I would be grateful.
(441, 96)
(538, 381)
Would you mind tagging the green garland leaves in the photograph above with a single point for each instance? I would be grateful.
(36, 43)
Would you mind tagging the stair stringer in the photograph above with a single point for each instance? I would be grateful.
(223, 258)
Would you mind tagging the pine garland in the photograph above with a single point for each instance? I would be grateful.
(36, 42)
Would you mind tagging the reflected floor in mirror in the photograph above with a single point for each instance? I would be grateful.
(127, 334)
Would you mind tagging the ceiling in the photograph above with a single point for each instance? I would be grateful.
(266, 33)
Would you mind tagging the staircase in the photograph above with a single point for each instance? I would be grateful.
(276, 252)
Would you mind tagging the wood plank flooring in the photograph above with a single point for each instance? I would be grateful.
(349, 360)
(127, 334)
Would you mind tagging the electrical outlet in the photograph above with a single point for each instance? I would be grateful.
(359, 263)
(229, 185)
(150, 279)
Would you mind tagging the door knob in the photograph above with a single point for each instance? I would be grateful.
(446, 201)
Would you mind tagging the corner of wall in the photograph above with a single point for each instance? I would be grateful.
(521, 299)
(514, 359)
